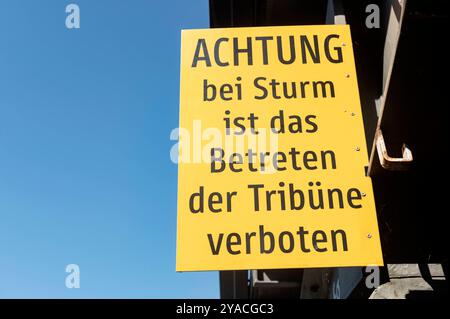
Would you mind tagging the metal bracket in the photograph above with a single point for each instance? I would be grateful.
(392, 163)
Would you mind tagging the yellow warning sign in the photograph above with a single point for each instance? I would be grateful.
(271, 152)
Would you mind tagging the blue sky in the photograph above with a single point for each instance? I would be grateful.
(85, 171)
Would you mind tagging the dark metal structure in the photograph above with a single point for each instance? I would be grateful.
(402, 71)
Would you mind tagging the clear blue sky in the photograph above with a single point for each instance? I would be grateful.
(85, 171)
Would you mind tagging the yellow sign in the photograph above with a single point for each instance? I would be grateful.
(271, 152)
